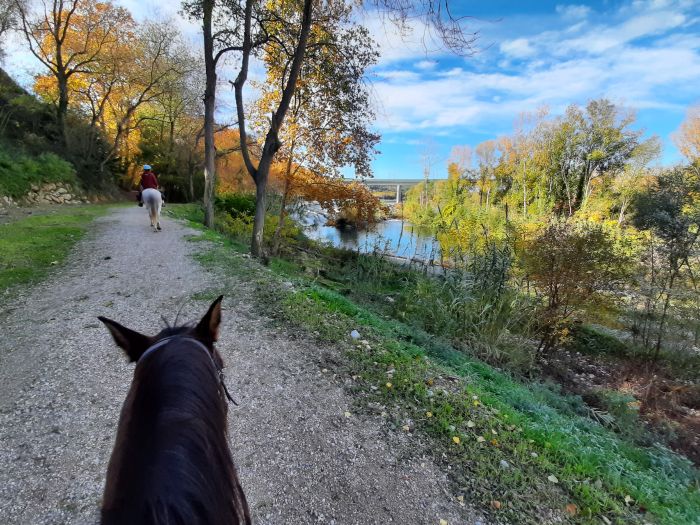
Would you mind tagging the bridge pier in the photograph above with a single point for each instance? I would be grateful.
(398, 194)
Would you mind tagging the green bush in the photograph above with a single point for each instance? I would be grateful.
(236, 204)
(589, 340)
(240, 227)
(19, 172)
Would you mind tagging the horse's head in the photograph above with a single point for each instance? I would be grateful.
(205, 331)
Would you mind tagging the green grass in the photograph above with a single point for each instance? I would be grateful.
(18, 171)
(30, 247)
(443, 394)
(594, 467)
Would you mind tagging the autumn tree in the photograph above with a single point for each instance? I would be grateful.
(587, 144)
(486, 156)
(670, 209)
(251, 24)
(329, 113)
(67, 37)
(687, 138)
(572, 266)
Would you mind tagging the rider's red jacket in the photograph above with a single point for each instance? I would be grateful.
(149, 180)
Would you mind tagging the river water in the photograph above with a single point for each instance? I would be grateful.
(393, 237)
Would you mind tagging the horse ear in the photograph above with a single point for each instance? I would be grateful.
(133, 343)
(208, 327)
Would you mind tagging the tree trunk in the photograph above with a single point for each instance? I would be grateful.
(283, 204)
(62, 108)
(272, 143)
(664, 313)
(209, 106)
(257, 248)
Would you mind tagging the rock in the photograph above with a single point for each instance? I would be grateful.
(61, 190)
(49, 187)
(34, 187)
(355, 334)
(504, 464)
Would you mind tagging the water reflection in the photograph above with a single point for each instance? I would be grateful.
(394, 237)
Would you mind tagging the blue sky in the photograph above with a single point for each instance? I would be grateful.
(643, 54)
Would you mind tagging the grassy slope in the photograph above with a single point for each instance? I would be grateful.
(29, 247)
(524, 446)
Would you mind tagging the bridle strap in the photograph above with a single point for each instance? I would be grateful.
(219, 371)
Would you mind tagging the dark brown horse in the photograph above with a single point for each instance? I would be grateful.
(171, 462)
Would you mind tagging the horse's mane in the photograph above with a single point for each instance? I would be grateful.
(172, 431)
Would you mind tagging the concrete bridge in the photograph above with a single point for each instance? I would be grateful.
(399, 183)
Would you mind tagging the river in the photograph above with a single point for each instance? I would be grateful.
(393, 237)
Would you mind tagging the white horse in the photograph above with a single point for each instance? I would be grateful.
(153, 201)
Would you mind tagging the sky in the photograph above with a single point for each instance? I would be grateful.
(642, 54)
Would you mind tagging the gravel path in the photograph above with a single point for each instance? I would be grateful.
(62, 383)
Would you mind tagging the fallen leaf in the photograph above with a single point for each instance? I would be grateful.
(406, 428)
(389, 385)
(480, 439)
(607, 521)
(347, 414)
(461, 500)
(571, 509)
(496, 504)
(428, 414)
(443, 522)
(553, 479)
(494, 432)
(628, 499)
(494, 442)
(456, 440)
(471, 424)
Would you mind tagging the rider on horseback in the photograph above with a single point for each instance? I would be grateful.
(148, 180)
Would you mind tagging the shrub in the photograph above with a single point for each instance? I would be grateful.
(590, 340)
(19, 172)
(236, 204)
(240, 227)
(573, 266)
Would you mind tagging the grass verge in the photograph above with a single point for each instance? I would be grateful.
(31, 246)
(523, 451)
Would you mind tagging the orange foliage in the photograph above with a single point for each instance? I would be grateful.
(687, 138)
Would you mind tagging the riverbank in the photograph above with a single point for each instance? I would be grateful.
(516, 448)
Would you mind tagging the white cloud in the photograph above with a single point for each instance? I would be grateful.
(398, 74)
(425, 64)
(573, 11)
(518, 48)
(660, 73)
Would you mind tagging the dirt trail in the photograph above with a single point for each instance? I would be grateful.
(62, 382)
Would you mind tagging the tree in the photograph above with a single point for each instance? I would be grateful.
(8, 20)
(687, 138)
(486, 158)
(670, 209)
(132, 70)
(253, 23)
(68, 37)
(587, 144)
(572, 265)
(330, 112)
